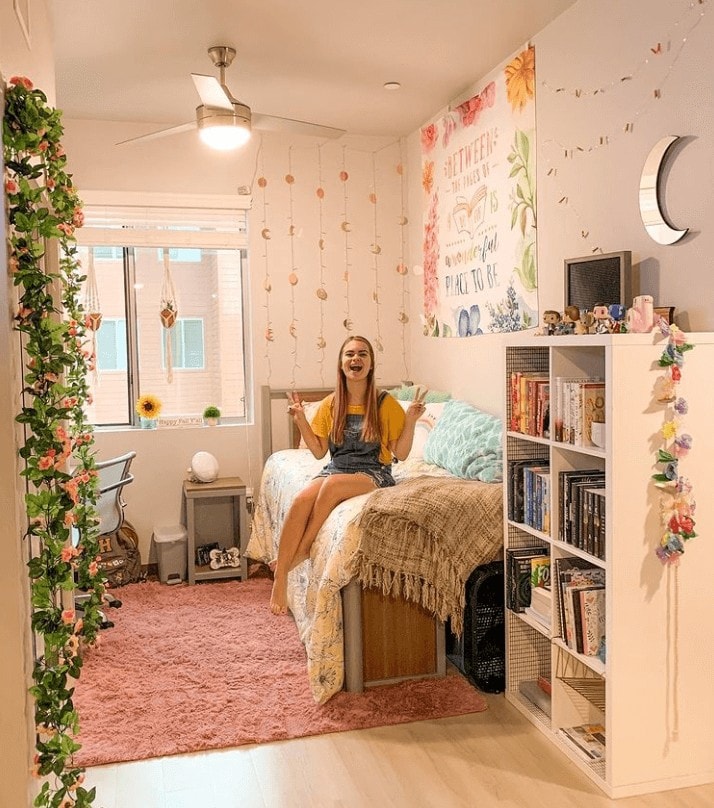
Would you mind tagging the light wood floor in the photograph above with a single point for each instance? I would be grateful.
(494, 758)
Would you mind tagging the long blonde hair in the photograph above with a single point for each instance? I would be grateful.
(370, 423)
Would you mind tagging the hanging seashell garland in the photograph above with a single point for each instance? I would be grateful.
(321, 292)
(266, 235)
(402, 268)
(346, 228)
(168, 312)
(376, 251)
(293, 278)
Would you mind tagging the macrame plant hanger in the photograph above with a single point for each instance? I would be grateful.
(168, 314)
(93, 314)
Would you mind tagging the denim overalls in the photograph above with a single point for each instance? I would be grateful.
(356, 456)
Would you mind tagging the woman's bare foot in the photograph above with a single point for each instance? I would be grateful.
(273, 564)
(279, 597)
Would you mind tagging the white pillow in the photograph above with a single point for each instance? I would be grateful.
(422, 428)
(310, 408)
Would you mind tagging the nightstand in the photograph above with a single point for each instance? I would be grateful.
(216, 513)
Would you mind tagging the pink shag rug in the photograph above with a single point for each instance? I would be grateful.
(189, 668)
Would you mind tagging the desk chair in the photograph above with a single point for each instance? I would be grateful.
(113, 475)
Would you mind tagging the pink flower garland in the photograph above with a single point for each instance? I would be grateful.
(676, 505)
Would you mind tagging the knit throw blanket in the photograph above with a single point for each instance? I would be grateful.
(422, 539)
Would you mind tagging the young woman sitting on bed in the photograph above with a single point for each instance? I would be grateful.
(363, 432)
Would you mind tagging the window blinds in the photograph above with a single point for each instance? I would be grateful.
(123, 223)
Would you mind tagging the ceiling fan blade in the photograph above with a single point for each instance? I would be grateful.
(172, 130)
(270, 123)
(211, 92)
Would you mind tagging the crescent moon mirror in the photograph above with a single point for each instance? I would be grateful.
(653, 218)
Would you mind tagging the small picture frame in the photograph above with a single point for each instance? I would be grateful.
(665, 312)
(22, 12)
(203, 553)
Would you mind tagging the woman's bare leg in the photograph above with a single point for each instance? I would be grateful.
(290, 537)
(337, 488)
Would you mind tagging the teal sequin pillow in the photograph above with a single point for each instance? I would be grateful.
(467, 442)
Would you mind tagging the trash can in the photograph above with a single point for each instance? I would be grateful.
(170, 542)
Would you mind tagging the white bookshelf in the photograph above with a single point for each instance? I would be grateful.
(654, 692)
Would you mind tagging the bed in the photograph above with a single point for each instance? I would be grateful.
(366, 609)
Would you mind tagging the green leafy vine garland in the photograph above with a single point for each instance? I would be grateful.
(43, 210)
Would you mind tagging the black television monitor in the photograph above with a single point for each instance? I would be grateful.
(594, 279)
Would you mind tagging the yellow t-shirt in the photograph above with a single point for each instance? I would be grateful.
(391, 422)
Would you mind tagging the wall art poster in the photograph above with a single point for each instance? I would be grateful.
(479, 183)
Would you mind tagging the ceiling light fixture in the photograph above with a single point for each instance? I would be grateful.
(224, 129)
(392, 85)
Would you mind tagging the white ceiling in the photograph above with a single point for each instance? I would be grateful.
(323, 61)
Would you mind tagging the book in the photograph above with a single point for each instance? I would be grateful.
(540, 572)
(592, 401)
(565, 505)
(594, 527)
(533, 495)
(571, 582)
(587, 739)
(516, 487)
(518, 576)
(599, 499)
(530, 690)
(575, 593)
(545, 685)
(543, 411)
(578, 509)
(592, 615)
(565, 567)
(542, 600)
(514, 419)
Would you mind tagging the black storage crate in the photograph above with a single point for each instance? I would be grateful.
(480, 652)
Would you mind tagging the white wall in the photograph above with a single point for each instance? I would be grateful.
(594, 44)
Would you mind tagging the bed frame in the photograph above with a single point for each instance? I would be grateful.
(386, 639)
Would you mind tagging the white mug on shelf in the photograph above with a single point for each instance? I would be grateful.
(597, 433)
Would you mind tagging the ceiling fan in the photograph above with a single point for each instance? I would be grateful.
(225, 123)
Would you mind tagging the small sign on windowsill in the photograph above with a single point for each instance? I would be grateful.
(172, 422)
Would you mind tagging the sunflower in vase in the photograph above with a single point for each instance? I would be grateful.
(148, 408)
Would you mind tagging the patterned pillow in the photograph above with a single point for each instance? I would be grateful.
(407, 393)
(467, 442)
(422, 428)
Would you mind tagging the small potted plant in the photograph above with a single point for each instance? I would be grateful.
(212, 415)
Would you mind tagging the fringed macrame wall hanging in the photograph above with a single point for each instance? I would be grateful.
(168, 314)
(92, 309)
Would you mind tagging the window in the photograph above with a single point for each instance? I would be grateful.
(186, 344)
(111, 344)
(207, 280)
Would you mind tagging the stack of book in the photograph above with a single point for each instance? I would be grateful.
(528, 482)
(581, 504)
(588, 740)
(519, 571)
(530, 404)
(540, 608)
(576, 403)
(581, 590)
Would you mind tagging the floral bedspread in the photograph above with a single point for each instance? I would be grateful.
(314, 586)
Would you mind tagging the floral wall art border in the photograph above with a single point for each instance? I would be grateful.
(479, 183)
